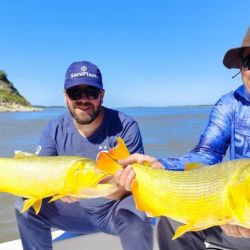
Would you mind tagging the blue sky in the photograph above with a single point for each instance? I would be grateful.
(151, 53)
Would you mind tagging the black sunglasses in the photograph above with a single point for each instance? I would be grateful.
(76, 93)
(246, 62)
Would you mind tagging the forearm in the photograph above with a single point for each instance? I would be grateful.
(236, 231)
(197, 155)
(212, 145)
(119, 194)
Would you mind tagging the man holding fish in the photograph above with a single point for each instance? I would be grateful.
(228, 126)
(85, 130)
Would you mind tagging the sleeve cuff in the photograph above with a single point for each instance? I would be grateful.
(164, 163)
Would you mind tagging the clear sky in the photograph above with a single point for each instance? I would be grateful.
(151, 53)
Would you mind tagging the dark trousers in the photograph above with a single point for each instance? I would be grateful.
(196, 240)
(116, 217)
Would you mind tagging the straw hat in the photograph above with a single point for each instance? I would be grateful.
(233, 57)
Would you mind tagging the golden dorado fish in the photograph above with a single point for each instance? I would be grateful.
(35, 178)
(199, 198)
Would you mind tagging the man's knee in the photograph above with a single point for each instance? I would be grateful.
(30, 220)
(134, 232)
(127, 219)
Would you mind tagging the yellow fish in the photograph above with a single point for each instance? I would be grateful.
(35, 178)
(200, 197)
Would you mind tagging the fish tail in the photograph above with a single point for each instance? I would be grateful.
(120, 151)
(105, 163)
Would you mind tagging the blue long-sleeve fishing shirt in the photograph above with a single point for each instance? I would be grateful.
(228, 126)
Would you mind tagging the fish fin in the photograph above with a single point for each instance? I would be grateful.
(194, 227)
(193, 165)
(56, 197)
(120, 151)
(19, 154)
(105, 163)
(181, 230)
(82, 174)
(36, 203)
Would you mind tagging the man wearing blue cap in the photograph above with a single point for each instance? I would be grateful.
(85, 130)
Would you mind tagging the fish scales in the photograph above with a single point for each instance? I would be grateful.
(200, 198)
(175, 188)
(33, 175)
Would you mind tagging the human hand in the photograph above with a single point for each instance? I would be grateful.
(140, 158)
(236, 231)
(69, 199)
(126, 175)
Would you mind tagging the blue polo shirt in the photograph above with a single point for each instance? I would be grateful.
(61, 137)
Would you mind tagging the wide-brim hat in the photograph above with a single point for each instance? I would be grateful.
(233, 57)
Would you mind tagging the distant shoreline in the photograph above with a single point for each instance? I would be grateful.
(18, 108)
(21, 108)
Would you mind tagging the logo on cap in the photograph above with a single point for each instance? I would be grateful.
(84, 68)
(84, 73)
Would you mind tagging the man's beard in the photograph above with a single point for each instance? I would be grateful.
(85, 118)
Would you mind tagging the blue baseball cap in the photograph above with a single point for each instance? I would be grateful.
(83, 72)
